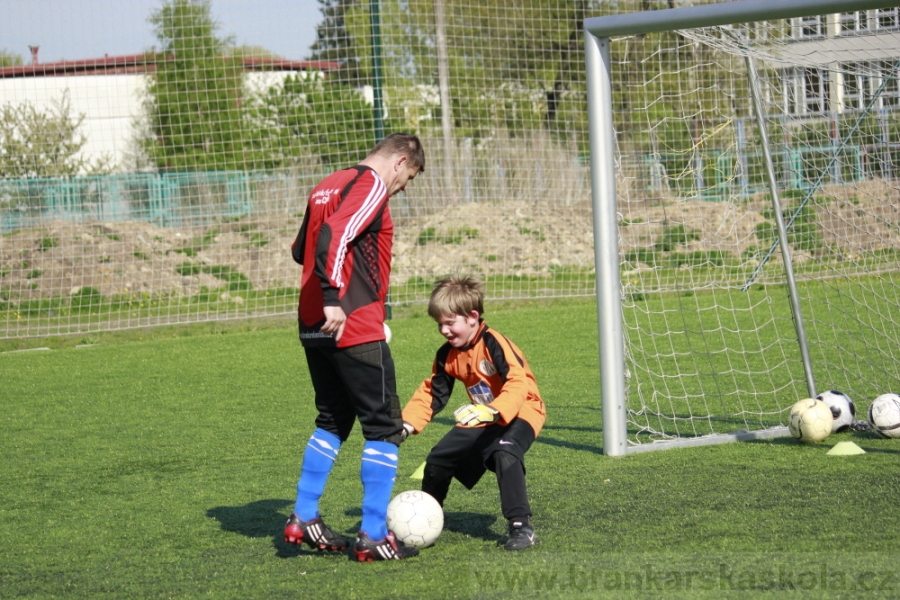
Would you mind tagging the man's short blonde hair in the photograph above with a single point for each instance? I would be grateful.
(456, 296)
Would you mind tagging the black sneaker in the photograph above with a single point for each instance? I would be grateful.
(316, 534)
(858, 425)
(390, 548)
(521, 535)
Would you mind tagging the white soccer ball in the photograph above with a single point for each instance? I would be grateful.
(387, 334)
(842, 409)
(415, 518)
(810, 420)
(884, 415)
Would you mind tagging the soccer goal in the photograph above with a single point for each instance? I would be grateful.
(746, 214)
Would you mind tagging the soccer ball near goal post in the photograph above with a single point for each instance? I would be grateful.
(842, 409)
(884, 415)
(810, 420)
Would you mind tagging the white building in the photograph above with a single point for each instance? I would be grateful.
(110, 91)
(846, 58)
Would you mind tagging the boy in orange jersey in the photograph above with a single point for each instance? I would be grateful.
(502, 420)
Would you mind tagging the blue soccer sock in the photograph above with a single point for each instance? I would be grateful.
(321, 452)
(378, 471)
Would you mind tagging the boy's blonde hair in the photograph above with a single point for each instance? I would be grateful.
(456, 296)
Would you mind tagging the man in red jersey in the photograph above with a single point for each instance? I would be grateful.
(344, 246)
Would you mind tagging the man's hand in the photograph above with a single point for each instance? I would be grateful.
(407, 431)
(334, 322)
(472, 415)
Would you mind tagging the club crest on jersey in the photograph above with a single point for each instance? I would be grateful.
(481, 393)
(487, 368)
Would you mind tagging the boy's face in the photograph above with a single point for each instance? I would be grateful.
(459, 330)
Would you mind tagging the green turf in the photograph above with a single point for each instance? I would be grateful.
(166, 466)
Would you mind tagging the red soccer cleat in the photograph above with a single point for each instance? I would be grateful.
(390, 548)
(315, 534)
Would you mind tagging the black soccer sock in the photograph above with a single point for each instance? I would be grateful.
(511, 480)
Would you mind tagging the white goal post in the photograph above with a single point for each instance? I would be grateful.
(746, 245)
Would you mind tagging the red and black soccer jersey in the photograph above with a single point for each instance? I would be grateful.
(494, 371)
(344, 246)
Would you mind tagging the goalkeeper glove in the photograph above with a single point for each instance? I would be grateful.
(476, 414)
(407, 431)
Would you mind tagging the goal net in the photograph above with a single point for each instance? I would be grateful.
(756, 251)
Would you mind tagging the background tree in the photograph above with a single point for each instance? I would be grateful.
(44, 144)
(334, 41)
(251, 51)
(300, 120)
(195, 95)
(511, 66)
(9, 59)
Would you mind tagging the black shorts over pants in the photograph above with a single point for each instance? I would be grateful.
(356, 382)
(469, 451)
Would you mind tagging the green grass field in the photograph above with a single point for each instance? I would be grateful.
(164, 463)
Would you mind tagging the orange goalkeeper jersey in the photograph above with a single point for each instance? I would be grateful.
(494, 371)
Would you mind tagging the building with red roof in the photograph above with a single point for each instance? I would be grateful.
(110, 91)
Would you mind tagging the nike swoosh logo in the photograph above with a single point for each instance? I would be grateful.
(505, 443)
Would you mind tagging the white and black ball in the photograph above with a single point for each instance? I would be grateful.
(884, 415)
(842, 409)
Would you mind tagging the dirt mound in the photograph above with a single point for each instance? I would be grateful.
(512, 238)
